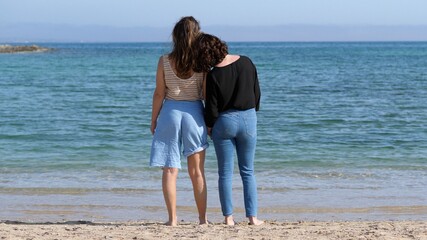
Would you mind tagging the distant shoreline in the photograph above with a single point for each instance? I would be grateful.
(229, 42)
(22, 49)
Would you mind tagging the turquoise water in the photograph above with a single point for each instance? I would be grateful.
(342, 133)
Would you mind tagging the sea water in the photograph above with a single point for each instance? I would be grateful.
(342, 133)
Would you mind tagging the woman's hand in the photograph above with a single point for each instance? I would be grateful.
(153, 127)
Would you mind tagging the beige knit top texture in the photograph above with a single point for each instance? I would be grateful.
(190, 89)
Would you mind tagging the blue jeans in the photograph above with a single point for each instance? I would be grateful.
(180, 125)
(236, 130)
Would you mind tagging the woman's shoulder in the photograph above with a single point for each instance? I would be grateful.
(165, 60)
(245, 61)
(164, 57)
(245, 58)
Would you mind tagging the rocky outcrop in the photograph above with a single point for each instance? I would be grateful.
(18, 49)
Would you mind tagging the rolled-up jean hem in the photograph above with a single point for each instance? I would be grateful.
(196, 151)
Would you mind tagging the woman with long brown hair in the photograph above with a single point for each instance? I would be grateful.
(177, 119)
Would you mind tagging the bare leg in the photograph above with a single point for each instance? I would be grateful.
(255, 221)
(228, 220)
(169, 193)
(196, 170)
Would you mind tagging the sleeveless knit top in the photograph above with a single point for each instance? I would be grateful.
(190, 89)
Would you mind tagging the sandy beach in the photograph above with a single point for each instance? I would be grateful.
(386, 230)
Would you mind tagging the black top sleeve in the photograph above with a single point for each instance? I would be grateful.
(211, 103)
(257, 91)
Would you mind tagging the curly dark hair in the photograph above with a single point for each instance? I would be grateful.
(209, 51)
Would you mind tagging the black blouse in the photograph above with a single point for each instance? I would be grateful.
(234, 86)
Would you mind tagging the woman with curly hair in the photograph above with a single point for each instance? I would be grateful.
(177, 119)
(232, 99)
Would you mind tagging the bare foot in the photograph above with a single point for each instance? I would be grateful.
(171, 223)
(203, 221)
(229, 221)
(255, 221)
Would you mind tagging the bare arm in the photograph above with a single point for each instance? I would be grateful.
(158, 95)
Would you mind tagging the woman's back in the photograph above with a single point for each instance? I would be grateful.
(189, 89)
(232, 86)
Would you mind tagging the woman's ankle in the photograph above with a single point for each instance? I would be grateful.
(203, 220)
(255, 221)
(172, 222)
(228, 220)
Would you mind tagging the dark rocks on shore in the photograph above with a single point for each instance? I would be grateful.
(17, 49)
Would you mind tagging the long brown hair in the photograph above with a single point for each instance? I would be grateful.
(184, 34)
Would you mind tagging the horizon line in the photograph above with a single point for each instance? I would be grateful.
(242, 41)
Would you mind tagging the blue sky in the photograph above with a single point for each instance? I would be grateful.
(219, 13)
(163, 13)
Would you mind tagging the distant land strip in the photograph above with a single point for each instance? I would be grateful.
(17, 49)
